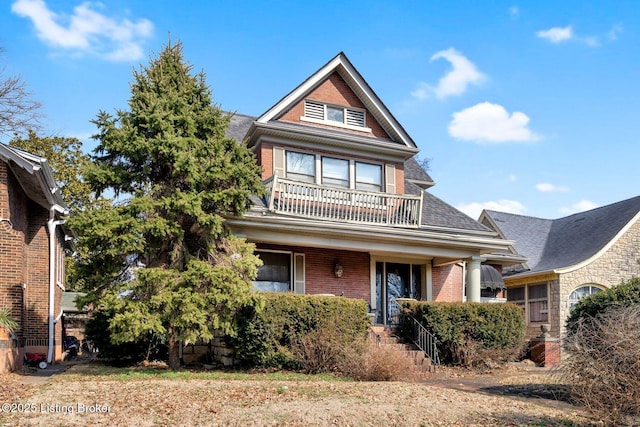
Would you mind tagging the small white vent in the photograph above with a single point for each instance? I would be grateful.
(355, 118)
(314, 110)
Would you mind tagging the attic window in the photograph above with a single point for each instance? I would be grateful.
(335, 115)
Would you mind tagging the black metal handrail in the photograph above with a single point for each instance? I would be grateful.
(423, 339)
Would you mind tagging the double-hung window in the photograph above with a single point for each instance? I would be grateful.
(368, 177)
(301, 166)
(335, 172)
(280, 271)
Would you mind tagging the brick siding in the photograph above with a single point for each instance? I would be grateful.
(24, 261)
(334, 90)
(447, 283)
(319, 271)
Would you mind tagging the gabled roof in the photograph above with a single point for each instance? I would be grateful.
(566, 243)
(341, 64)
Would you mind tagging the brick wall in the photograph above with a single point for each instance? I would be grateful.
(334, 90)
(319, 271)
(37, 292)
(447, 283)
(24, 265)
(13, 209)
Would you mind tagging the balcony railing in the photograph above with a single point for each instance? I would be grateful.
(342, 204)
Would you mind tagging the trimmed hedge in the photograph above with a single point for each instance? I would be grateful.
(266, 338)
(624, 295)
(467, 331)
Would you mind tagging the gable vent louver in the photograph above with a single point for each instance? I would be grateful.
(355, 118)
(314, 110)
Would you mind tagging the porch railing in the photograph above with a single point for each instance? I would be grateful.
(343, 204)
(423, 339)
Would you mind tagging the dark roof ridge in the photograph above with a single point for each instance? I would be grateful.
(518, 215)
(600, 208)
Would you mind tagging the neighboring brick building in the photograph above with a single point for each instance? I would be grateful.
(32, 256)
(568, 258)
(348, 210)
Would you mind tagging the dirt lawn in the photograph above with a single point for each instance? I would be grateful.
(89, 394)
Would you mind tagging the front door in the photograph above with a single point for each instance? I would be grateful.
(393, 281)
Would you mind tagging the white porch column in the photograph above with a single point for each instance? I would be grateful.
(473, 279)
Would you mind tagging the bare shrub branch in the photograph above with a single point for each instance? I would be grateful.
(18, 111)
(603, 366)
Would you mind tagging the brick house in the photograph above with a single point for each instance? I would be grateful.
(348, 210)
(33, 241)
(567, 258)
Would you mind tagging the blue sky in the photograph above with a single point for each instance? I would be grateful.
(526, 107)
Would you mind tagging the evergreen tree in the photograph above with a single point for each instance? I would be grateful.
(161, 257)
(67, 161)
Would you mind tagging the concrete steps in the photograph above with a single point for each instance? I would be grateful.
(387, 337)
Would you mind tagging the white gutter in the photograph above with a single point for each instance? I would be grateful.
(52, 223)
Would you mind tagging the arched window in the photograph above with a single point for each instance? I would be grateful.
(582, 292)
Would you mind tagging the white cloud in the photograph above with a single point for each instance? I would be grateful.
(503, 205)
(86, 31)
(491, 123)
(560, 35)
(581, 206)
(456, 81)
(514, 11)
(513, 177)
(556, 34)
(614, 31)
(547, 187)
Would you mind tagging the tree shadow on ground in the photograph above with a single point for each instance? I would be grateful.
(557, 392)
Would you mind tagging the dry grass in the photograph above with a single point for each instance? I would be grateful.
(150, 398)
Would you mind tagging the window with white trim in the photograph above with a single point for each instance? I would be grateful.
(581, 292)
(281, 271)
(301, 166)
(335, 172)
(335, 115)
(368, 177)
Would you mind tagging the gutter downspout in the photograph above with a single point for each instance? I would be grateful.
(51, 227)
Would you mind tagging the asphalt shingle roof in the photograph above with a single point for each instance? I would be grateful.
(563, 242)
(239, 126)
(414, 172)
(437, 213)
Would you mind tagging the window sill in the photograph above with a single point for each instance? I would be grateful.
(335, 124)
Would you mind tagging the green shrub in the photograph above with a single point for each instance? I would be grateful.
(467, 332)
(7, 322)
(624, 295)
(272, 337)
(97, 332)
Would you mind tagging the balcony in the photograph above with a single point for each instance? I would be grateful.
(306, 200)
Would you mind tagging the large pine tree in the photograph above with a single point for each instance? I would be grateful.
(161, 256)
